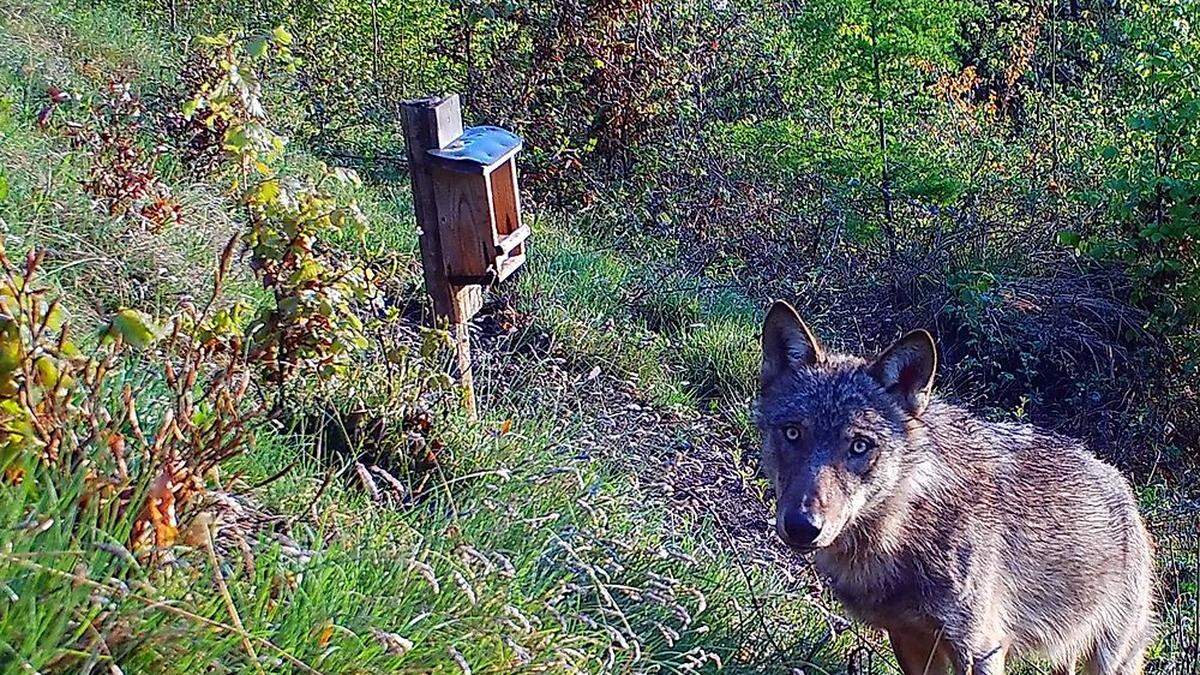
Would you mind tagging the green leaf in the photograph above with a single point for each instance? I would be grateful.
(190, 107)
(281, 35)
(133, 327)
(307, 271)
(257, 47)
(1068, 238)
(236, 140)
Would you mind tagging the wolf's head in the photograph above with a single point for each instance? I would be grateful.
(837, 430)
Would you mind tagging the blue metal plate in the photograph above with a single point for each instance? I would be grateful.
(477, 149)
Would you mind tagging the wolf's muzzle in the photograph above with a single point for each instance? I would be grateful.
(800, 528)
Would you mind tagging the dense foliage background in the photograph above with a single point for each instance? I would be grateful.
(263, 437)
(1022, 176)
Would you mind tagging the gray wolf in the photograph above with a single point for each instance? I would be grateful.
(970, 542)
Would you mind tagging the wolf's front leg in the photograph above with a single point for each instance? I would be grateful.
(976, 661)
(918, 653)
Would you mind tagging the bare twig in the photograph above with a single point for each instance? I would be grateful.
(224, 591)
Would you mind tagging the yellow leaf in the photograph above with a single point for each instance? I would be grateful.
(133, 327)
(47, 371)
(10, 346)
(325, 634)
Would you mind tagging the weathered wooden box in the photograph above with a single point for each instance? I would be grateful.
(478, 206)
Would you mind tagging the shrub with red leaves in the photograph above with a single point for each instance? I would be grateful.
(121, 177)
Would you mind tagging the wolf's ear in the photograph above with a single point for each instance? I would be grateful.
(906, 370)
(787, 344)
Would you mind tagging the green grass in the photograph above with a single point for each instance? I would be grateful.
(618, 309)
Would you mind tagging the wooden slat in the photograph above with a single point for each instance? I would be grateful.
(428, 124)
(507, 200)
(510, 241)
(468, 246)
(508, 266)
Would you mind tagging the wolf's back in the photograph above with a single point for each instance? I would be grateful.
(1071, 557)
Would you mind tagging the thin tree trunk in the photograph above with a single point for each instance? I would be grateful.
(468, 58)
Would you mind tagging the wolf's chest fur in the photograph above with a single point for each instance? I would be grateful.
(881, 591)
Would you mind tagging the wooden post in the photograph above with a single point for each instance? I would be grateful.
(431, 124)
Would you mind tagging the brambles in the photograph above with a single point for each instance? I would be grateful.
(228, 96)
(587, 83)
(63, 412)
(1156, 186)
(312, 325)
(40, 369)
(121, 176)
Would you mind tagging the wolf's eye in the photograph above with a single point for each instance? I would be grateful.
(861, 445)
(791, 433)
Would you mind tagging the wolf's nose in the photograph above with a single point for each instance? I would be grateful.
(801, 528)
